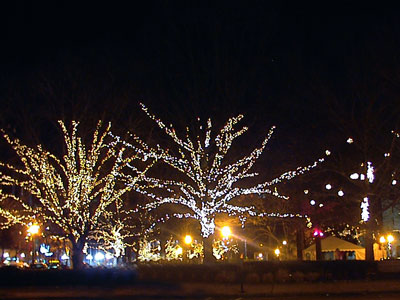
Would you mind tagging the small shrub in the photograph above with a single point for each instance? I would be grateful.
(282, 276)
(298, 276)
(268, 278)
(312, 276)
(252, 278)
(225, 277)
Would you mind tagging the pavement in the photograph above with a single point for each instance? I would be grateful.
(202, 291)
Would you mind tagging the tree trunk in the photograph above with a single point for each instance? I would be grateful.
(77, 253)
(300, 242)
(208, 249)
(77, 258)
(318, 248)
(369, 242)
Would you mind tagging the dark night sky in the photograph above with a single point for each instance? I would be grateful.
(277, 63)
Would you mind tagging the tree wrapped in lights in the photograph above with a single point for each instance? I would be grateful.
(71, 194)
(210, 181)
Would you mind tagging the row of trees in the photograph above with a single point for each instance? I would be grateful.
(79, 195)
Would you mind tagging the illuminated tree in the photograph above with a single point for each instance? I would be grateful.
(71, 195)
(207, 181)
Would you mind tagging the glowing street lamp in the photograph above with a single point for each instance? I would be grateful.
(33, 230)
(226, 232)
(390, 238)
(188, 239)
(277, 252)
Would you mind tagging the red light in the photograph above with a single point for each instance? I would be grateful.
(318, 232)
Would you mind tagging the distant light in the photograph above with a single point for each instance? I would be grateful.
(370, 172)
(362, 177)
(312, 202)
(33, 229)
(350, 140)
(277, 252)
(89, 257)
(306, 192)
(390, 238)
(226, 231)
(354, 176)
(387, 154)
(43, 249)
(328, 186)
(284, 243)
(260, 255)
(22, 255)
(327, 152)
(321, 205)
(6, 254)
(64, 256)
(109, 256)
(99, 256)
(179, 251)
(318, 232)
(394, 182)
(382, 240)
(364, 208)
(188, 239)
(340, 193)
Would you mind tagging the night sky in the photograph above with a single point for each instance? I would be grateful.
(294, 66)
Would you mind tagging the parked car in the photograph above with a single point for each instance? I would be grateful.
(54, 265)
(39, 266)
(15, 265)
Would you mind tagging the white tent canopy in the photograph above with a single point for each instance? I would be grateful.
(330, 244)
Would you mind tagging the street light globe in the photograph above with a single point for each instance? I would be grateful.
(34, 229)
(226, 231)
(277, 252)
(382, 240)
(390, 238)
(284, 242)
(188, 239)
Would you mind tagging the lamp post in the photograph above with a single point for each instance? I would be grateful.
(33, 230)
(188, 241)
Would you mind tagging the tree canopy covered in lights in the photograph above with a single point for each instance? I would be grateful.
(210, 181)
(73, 193)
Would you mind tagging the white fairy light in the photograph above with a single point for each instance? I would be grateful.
(370, 172)
(364, 209)
(328, 186)
(394, 182)
(340, 193)
(387, 154)
(211, 182)
(362, 176)
(327, 152)
(321, 205)
(306, 192)
(74, 192)
(312, 202)
(350, 140)
(354, 176)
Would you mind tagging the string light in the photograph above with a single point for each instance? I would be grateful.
(370, 172)
(365, 209)
(212, 183)
(73, 193)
